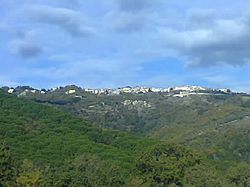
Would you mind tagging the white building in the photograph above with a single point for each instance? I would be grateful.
(70, 92)
(11, 90)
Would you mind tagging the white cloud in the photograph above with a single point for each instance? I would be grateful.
(70, 20)
(224, 42)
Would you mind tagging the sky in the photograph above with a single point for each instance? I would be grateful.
(116, 43)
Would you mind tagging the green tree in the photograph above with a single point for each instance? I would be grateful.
(29, 175)
(240, 175)
(201, 175)
(88, 170)
(7, 166)
(165, 165)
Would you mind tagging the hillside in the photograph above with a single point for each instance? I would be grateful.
(217, 123)
(48, 147)
(35, 121)
(51, 137)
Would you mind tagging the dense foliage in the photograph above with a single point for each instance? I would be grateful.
(216, 124)
(44, 146)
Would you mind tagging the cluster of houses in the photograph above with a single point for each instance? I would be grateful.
(182, 91)
(175, 92)
(138, 90)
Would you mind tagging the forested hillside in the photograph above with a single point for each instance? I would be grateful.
(51, 137)
(218, 125)
(44, 146)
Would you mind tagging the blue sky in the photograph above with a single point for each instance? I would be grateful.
(116, 43)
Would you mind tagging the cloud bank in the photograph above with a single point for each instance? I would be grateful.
(215, 42)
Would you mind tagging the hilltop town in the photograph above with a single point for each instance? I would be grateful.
(180, 91)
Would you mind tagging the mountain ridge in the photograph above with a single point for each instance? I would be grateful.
(178, 91)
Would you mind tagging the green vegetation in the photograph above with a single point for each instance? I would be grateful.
(218, 125)
(44, 146)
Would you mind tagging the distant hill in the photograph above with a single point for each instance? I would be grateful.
(200, 120)
(59, 144)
